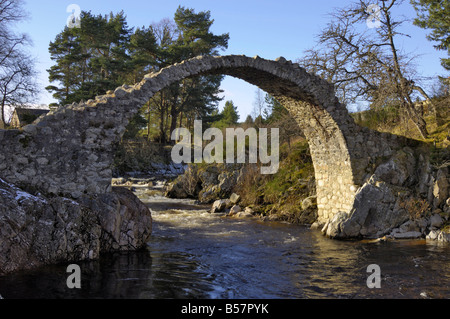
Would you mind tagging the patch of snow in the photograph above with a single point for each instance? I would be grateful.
(21, 195)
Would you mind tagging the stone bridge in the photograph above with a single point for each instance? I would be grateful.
(69, 152)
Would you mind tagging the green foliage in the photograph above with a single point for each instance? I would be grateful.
(105, 53)
(183, 102)
(435, 15)
(281, 194)
(138, 155)
(90, 60)
(229, 117)
(137, 123)
(276, 110)
(296, 166)
(195, 36)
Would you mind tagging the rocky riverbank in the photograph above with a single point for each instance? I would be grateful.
(225, 188)
(406, 197)
(36, 230)
(289, 195)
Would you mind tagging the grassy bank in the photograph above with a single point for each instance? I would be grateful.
(279, 196)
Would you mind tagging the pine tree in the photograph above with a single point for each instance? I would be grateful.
(193, 98)
(90, 60)
(229, 116)
(435, 15)
(105, 53)
(71, 68)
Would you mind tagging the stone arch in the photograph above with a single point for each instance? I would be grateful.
(69, 152)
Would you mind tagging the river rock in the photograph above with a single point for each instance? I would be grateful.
(244, 214)
(409, 226)
(209, 175)
(438, 235)
(235, 198)
(118, 181)
(310, 202)
(436, 221)
(227, 181)
(219, 206)
(398, 169)
(125, 221)
(433, 235)
(440, 187)
(235, 209)
(375, 213)
(248, 210)
(333, 228)
(407, 235)
(187, 185)
(175, 190)
(35, 230)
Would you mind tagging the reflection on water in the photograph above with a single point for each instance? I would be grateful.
(194, 254)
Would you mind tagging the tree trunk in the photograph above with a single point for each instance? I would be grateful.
(162, 130)
(418, 120)
(148, 122)
(181, 120)
(432, 107)
(3, 112)
(403, 85)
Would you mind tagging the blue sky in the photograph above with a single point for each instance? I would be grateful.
(257, 27)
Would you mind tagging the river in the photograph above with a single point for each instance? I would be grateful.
(196, 255)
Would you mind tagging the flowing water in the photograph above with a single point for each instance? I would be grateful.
(193, 254)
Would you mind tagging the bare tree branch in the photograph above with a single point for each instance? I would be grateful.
(17, 73)
(366, 64)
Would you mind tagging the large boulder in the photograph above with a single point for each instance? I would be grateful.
(125, 221)
(207, 183)
(398, 169)
(309, 203)
(36, 230)
(187, 185)
(216, 183)
(441, 187)
(376, 211)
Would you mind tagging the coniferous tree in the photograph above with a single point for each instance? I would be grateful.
(229, 116)
(435, 15)
(192, 98)
(105, 53)
(90, 60)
